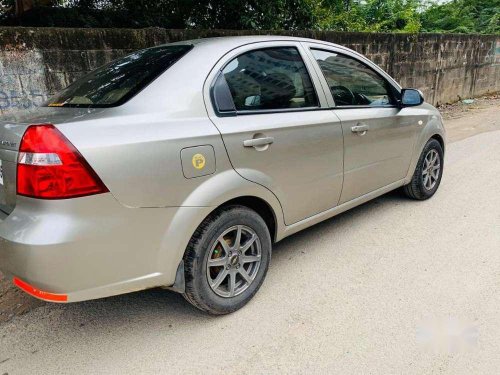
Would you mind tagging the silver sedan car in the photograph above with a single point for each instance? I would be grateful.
(179, 166)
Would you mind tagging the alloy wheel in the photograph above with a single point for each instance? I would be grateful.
(233, 261)
(431, 169)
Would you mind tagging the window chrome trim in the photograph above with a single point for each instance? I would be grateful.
(364, 106)
(280, 110)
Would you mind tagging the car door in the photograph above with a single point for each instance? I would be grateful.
(278, 131)
(378, 137)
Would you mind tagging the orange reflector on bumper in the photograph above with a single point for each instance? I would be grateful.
(46, 296)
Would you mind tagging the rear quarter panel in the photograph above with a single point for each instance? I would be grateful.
(138, 157)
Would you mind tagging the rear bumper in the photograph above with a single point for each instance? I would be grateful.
(92, 247)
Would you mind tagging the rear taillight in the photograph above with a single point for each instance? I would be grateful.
(50, 167)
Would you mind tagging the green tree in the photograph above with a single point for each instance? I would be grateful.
(392, 15)
(341, 15)
(467, 16)
(252, 14)
(463, 16)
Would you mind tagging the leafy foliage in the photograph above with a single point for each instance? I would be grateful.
(462, 16)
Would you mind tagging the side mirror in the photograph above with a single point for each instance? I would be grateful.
(411, 97)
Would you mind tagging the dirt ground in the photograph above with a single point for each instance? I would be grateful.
(465, 120)
(461, 121)
(13, 301)
(460, 109)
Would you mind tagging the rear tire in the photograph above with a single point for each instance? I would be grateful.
(428, 172)
(227, 260)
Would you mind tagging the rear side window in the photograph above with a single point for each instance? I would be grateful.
(115, 83)
(351, 82)
(271, 78)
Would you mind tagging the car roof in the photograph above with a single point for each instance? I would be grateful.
(234, 41)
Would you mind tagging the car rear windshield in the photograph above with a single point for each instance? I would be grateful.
(115, 83)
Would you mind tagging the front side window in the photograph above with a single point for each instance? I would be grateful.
(351, 82)
(118, 81)
(270, 79)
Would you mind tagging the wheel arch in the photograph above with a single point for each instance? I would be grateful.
(440, 139)
(260, 206)
(228, 188)
(433, 130)
(201, 203)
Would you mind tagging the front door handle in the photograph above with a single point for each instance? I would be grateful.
(256, 142)
(361, 129)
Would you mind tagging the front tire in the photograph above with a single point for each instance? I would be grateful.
(427, 176)
(227, 260)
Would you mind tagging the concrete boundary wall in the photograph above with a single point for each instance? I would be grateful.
(37, 62)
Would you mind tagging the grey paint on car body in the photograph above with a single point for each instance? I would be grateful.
(134, 237)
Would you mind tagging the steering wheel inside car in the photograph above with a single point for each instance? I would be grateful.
(342, 95)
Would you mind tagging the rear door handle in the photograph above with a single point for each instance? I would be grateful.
(361, 129)
(256, 142)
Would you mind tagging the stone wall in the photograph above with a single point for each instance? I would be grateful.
(36, 62)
